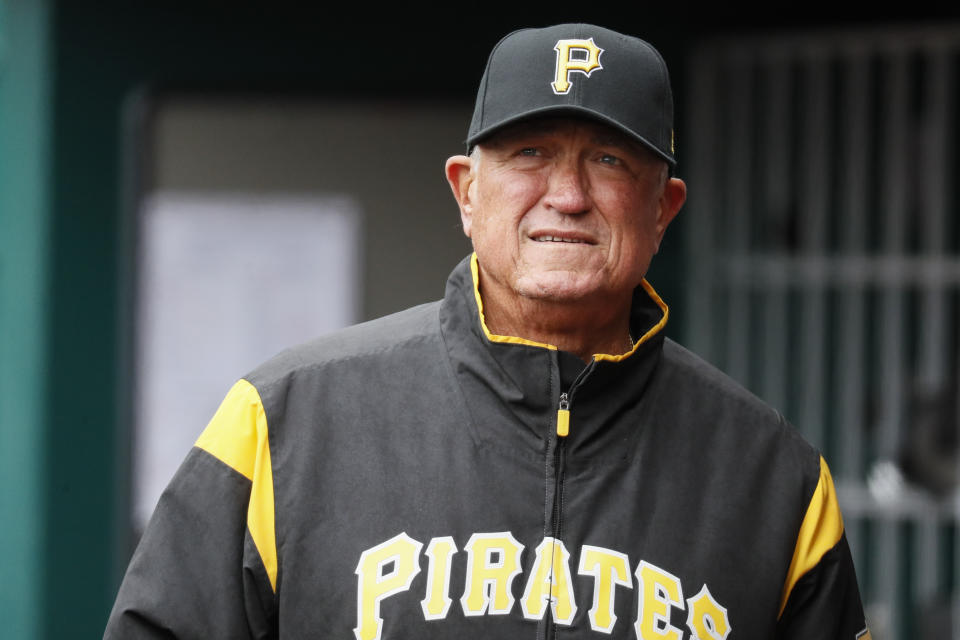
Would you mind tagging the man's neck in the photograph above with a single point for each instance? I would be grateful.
(583, 328)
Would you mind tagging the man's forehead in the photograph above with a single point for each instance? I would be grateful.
(600, 133)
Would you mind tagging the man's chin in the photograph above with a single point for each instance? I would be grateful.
(560, 288)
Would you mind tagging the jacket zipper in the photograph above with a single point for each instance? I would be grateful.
(563, 416)
(563, 408)
(559, 459)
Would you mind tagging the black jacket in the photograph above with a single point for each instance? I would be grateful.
(404, 478)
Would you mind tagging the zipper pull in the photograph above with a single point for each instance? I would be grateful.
(563, 416)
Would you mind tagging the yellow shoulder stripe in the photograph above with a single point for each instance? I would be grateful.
(237, 436)
(820, 531)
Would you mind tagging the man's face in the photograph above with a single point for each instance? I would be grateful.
(564, 209)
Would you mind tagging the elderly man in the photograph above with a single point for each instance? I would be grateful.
(530, 456)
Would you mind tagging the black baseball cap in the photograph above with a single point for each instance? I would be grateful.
(580, 69)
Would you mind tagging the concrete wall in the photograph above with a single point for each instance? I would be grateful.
(387, 156)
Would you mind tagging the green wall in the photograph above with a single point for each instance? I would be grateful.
(24, 305)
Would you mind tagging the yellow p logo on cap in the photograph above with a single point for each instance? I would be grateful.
(568, 62)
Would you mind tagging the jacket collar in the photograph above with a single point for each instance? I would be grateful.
(508, 380)
(638, 326)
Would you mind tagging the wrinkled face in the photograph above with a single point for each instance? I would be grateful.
(564, 209)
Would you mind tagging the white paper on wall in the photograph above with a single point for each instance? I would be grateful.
(227, 281)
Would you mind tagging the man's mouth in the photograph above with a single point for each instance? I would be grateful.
(559, 239)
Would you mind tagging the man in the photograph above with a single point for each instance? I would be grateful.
(528, 457)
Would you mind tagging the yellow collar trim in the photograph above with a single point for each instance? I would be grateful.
(475, 272)
(654, 330)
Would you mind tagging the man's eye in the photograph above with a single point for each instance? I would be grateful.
(528, 151)
(610, 159)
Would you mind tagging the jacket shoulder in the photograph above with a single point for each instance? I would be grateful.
(695, 374)
(728, 405)
(377, 338)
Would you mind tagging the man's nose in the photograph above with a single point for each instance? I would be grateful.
(567, 190)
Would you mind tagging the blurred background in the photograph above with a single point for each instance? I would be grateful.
(185, 189)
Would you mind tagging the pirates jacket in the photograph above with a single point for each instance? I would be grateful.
(419, 477)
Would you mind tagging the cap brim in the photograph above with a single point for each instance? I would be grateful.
(571, 109)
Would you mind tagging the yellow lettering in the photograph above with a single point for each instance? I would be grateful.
(437, 603)
(658, 591)
(609, 569)
(550, 581)
(383, 571)
(493, 561)
(568, 63)
(706, 618)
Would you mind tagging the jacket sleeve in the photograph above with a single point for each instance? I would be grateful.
(206, 566)
(821, 598)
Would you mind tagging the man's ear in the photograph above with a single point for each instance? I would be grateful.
(460, 177)
(674, 195)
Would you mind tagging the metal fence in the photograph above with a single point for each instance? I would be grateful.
(824, 248)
